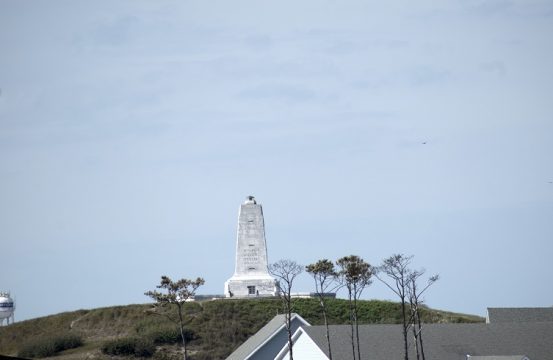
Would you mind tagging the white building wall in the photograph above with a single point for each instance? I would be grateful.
(304, 349)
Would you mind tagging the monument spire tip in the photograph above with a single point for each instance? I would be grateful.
(250, 200)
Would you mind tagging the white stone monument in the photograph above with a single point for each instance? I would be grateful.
(251, 274)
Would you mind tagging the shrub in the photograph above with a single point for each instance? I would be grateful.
(170, 335)
(50, 346)
(138, 347)
(165, 336)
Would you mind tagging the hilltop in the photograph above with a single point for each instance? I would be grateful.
(215, 328)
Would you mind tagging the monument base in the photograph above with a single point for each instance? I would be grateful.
(246, 287)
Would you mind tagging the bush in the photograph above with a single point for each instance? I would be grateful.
(50, 346)
(138, 347)
(170, 335)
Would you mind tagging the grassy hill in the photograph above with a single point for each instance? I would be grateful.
(215, 328)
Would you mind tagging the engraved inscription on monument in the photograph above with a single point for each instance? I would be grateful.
(251, 275)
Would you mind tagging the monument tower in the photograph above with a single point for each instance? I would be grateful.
(251, 274)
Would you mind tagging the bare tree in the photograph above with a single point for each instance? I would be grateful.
(415, 301)
(175, 294)
(286, 271)
(355, 274)
(396, 268)
(325, 275)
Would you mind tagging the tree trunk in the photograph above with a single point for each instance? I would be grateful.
(290, 347)
(420, 333)
(181, 325)
(323, 306)
(416, 338)
(356, 323)
(405, 342)
(351, 323)
(289, 325)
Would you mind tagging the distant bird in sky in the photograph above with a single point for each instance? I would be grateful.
(424, 142)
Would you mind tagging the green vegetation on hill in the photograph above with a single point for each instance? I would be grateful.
(215, 328)
(49, 346)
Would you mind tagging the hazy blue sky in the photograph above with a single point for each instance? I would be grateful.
(131, 131)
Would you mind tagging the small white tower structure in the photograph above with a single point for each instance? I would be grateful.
(251, 275)
(7, 308)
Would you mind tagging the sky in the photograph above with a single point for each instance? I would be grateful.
(131, 131)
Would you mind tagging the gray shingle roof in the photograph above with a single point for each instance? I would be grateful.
(514, 357)
(264, 334)
(500, 315)
(443, 341)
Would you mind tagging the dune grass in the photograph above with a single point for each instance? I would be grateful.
(214, 328)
